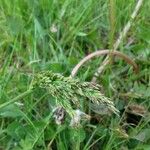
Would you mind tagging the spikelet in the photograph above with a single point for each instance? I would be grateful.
(67, 90)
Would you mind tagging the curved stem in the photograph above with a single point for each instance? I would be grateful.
(104, 52)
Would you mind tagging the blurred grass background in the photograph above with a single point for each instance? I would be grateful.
(55, 35)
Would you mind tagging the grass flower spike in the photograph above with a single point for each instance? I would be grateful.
(67, 90)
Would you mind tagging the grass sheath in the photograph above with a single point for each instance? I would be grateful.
(22, 95)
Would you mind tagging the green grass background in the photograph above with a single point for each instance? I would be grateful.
(27, 46)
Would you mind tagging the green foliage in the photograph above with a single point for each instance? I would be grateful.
(28, 45)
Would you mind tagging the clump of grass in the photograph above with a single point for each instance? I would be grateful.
(28, 44)
(67, 90)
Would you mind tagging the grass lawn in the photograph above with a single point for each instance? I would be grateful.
(42, 35)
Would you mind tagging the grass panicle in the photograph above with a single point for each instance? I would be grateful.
(67, 90)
